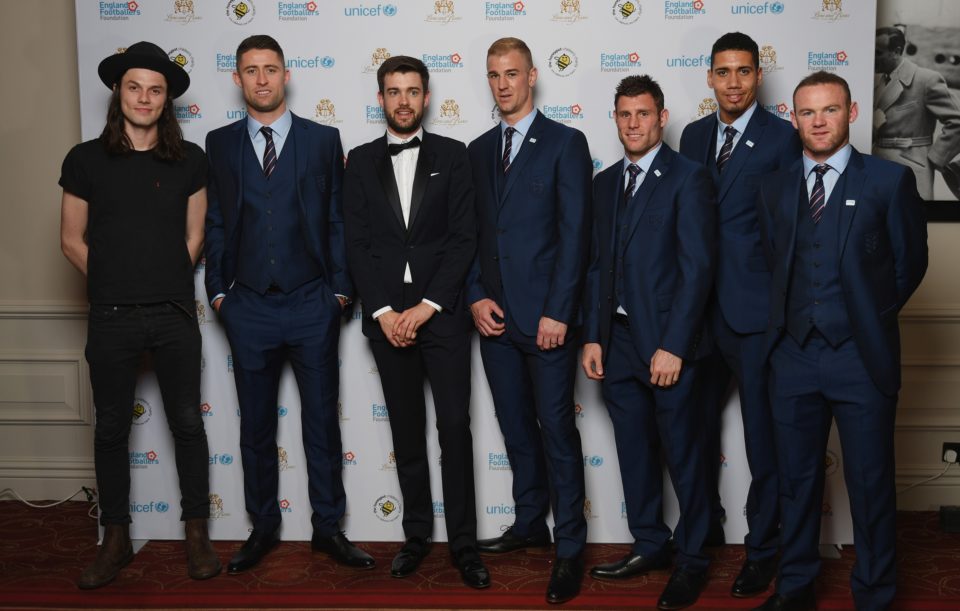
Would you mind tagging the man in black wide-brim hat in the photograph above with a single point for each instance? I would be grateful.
(133, 207)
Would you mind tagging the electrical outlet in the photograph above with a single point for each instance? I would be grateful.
(955, 448)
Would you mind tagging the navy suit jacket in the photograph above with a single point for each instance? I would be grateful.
(439, 241)
(534, 233)
(882, 248)
(743, 276)
(318, 158)
(668, 257)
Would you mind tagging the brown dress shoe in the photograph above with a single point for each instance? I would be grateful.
(202, 560)
(115, 552)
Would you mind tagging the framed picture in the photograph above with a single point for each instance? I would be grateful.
(916, 101)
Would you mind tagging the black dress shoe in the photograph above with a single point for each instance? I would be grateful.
(804, 600)
(340, 549)
(565, 580)
(754, 577)
(715, 536)
(252, 552)
(410, 556)
(508, 542)
(630, 565)
(472, 570)
(682, 590)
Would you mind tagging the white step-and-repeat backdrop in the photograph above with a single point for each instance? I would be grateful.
(333, 48)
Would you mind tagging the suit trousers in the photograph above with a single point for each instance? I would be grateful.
(649, 419)
(445, 362)
(265, 331)
(810, 385)
(533, 396)
(117, 337)
(741, 356)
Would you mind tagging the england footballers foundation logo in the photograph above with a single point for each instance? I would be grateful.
(626, 11)
(623, 61)
(241, 12)
(297, 11)
(829, 61)
(118, 11)
(504, 11)
(684, 9)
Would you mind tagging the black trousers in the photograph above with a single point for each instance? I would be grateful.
(117, 337)
(445, 361)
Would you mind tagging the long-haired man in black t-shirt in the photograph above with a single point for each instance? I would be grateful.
(132, 215)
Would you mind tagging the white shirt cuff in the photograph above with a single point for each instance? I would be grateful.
(381, 311)
(432, 305)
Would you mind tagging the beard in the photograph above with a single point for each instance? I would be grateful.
(400, 128)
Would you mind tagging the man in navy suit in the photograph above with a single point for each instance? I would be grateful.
(654, 241)
(847, 242)
(276, 275)
(532, 177)
(411, 237)
(739, 144)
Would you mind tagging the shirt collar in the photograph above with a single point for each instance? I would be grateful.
(280, 127)
(740, 124)
(838, 161)
(394, 139)
(644, 162)
(522, 126)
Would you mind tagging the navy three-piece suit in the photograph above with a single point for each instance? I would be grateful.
(275, 247)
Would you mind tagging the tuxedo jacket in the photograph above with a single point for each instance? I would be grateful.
(534, 224)
(881, 247)
(318, 160)
(767, 144)
(438, 242)
(668, 253)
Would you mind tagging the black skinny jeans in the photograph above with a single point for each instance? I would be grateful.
(117, 336)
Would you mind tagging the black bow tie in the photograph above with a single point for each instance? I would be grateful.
(396, 149)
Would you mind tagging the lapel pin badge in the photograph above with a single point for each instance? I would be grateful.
(656, 173)
(749, 143)
(533, 140)
(851, 202)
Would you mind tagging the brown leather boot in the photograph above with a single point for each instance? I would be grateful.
(202, 560)
(115, 552)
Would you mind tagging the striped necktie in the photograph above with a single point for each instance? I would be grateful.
(269, 153)
(507, 147)
(818, 199)
(727, 149)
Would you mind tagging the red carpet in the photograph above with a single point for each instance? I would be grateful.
(42, 552)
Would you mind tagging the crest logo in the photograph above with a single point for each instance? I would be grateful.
(387, 508)
(443, 12)
(241, 12)
(379, 55)
(449, 115)
(326, 113)
(183, 12)
(768, 59)
(283, 459)
(569, 12)
(201, 307)
(830, 10)
(216, 506)
(707, 106)
(563, 62)
(141, 411)
(626, 11)
(391, 464)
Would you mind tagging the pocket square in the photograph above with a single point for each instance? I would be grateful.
(432, 174)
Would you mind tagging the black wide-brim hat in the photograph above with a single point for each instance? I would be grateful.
(144, 55)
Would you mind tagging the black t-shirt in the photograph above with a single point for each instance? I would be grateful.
(137, 221)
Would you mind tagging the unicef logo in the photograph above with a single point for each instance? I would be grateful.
(390, 10)
(327, 62)
(225, 459)
(593, 461)
(162, 506)
(282, 411)
(776, 8)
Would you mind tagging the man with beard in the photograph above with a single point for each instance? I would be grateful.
(276, 275)
(739, 144)
(132, 223)
(847, 243)
(411, 236)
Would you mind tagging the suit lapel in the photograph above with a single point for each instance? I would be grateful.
(388, 181)
(853, 179)
(236, 157)
(526, 152)
(888, 94)
(301, 157)
(748, 140)
(420, 177)
(791, 195)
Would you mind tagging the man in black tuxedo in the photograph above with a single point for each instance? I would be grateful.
(411, 237)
